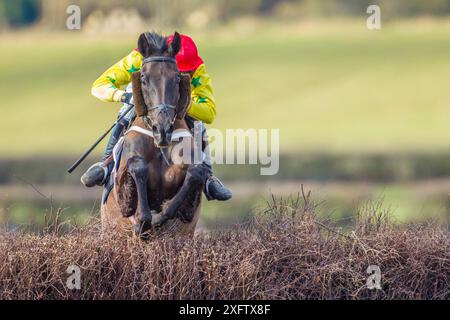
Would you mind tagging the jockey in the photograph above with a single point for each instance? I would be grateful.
(109, 88)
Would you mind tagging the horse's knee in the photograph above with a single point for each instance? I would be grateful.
(197, 173)
(137, 167)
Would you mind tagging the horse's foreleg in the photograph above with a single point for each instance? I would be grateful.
(138, 169)
(187, 197)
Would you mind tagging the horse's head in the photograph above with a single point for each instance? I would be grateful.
(161, 93)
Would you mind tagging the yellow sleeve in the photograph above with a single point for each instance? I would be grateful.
(203, 105)
(109, 86)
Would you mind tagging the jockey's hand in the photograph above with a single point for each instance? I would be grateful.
(126, 97)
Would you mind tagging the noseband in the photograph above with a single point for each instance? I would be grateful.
(159, 107)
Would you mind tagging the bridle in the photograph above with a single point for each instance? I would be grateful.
(159, 59)
(163, 106)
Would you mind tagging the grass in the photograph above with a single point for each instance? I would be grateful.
(20, 205)
(335, 89)
(284, 253)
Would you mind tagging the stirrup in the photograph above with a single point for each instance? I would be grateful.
(208, 182)
(214, 179)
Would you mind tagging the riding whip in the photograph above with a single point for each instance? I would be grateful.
(84, 156)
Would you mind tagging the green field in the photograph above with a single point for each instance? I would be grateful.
(332, 89)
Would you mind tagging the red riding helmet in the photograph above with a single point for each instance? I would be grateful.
(187, 58)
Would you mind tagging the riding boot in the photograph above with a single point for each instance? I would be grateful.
(98, 173)
(215, 189)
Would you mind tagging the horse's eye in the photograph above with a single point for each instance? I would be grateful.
(143, 79)
(178, 79)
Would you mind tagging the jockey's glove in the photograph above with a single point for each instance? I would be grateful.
(126, 97)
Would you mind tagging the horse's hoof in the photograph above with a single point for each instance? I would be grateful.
(158, 220)
(142, 229)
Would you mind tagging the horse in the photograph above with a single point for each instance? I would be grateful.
(156, 189)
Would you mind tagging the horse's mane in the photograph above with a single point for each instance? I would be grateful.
(158, 41)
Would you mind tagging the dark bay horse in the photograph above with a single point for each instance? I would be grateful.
(156, 189)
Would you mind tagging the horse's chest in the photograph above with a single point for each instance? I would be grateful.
(165, 181)
(173, 176)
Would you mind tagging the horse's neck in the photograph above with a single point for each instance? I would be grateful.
(139, 122)
(180, 124)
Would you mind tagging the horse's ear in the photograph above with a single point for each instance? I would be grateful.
(175, 45)
(138, 98)
(145, 47)
(185, 95)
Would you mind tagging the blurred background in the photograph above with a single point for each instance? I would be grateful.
(363, 114)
